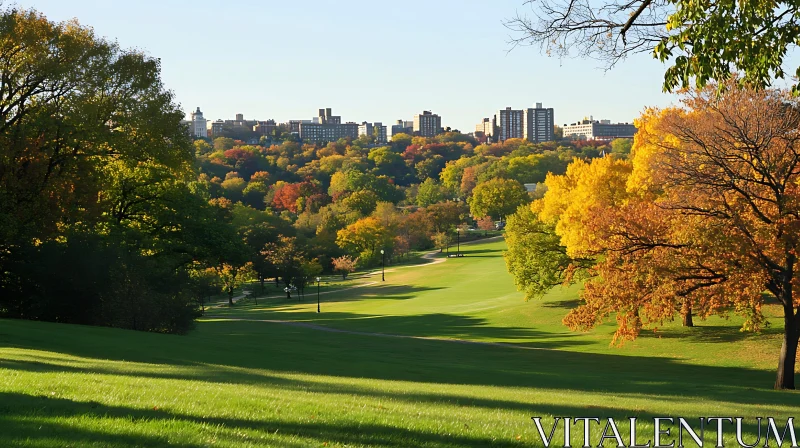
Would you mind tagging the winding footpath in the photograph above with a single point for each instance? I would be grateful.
(434, 258)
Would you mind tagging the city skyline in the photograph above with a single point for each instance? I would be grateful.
(382, 63)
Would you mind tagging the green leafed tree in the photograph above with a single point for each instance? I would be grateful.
(429, 192)
(497, 198)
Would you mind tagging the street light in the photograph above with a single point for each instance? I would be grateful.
(383, 266)
(318, 279)
(458, 242)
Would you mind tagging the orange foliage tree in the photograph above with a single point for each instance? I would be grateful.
(702, 220)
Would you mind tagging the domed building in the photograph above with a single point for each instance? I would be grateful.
(199, 124)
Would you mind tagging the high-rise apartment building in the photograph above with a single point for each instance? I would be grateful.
(533, 124)
(427, 124)
(199, 125)
(485, 127)
(377, 129)
(539, 124)
(365, 129)
(403, 127)
(509, 124)
(217, 127)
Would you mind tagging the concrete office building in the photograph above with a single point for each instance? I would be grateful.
(590, 129)
(427, 124)
(327, 132)
(326, 128)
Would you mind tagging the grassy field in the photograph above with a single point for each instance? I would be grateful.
(386, 364)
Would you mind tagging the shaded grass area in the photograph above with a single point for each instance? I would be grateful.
(474, 298)
(249, 383)
(240, 383)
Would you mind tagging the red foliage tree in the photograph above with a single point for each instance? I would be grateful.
(285, 197)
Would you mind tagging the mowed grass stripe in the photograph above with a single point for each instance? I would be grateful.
(239, 383)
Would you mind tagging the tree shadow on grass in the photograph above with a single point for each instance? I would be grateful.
(462, 328)
(348, 294)
(51, 417)
(49, 410)
(709, 333)
(34, 420)
(566, 304)
(223, 350)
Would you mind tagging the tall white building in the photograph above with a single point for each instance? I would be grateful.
(199, 127)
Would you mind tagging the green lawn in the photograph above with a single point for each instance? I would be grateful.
(239, 381)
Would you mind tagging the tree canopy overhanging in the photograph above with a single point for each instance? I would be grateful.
(699, 40)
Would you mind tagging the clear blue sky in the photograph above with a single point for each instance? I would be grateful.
(368, 60)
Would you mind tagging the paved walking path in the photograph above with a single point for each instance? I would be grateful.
(434, 259)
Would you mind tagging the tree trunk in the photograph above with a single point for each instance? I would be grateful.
(687, 319)
(686, 313)
(788, 358)
(230, 296)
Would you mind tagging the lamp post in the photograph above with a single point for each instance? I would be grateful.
(383, 265)
(318, 279)
(458, 242)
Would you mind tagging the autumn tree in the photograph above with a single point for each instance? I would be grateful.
(444, 216)
(344, 265)
(232, 276)
(309, 270)
(416, 228)
(733, 174)
(702, 220)
(365, 237)
(287, 257)
(497, 198)
(223, 143)
(442, 240)
(486, 223)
